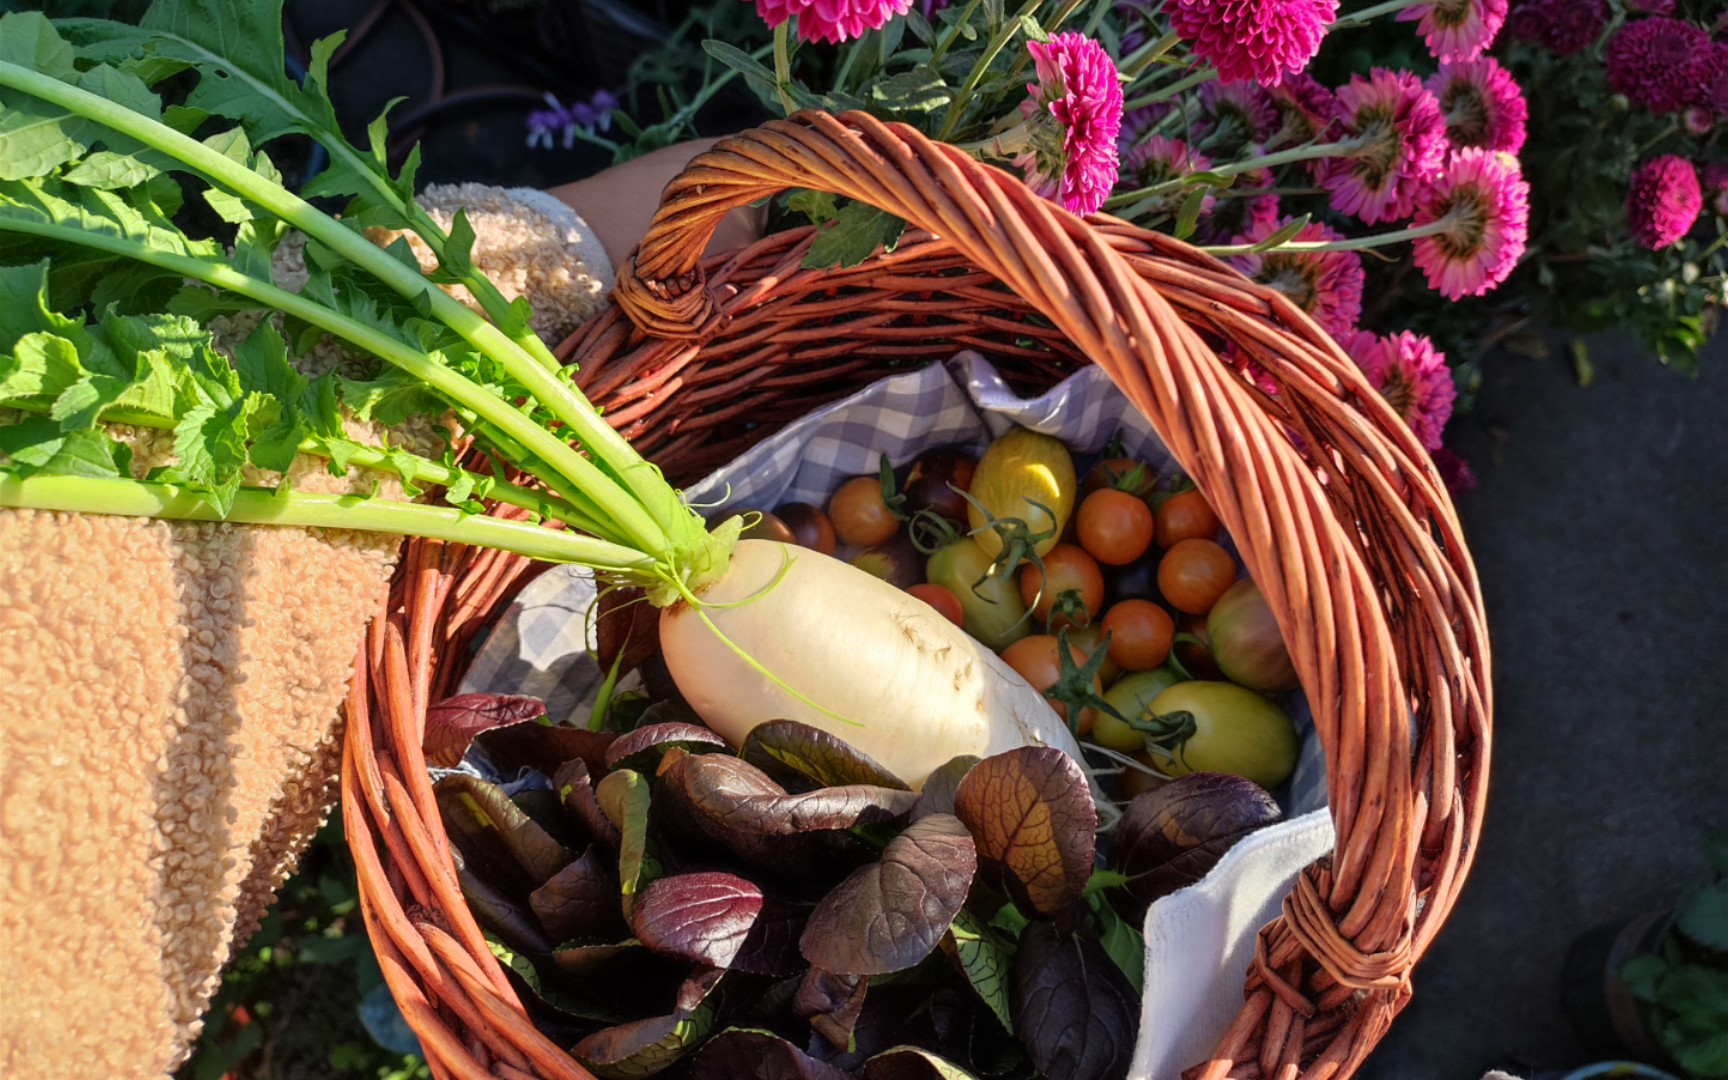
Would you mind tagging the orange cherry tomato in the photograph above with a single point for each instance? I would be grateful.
(1186, 516)
(859, 515)
(1140, 634)
(1114, 527)
(943, 600)
(1194, 574)
(1036, 660)
(1067, 569)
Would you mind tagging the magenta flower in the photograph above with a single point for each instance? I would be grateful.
(1400, 138)
(1307, 108)
(1325, 284)
(1456, 29)
(1253, 40)
(832, 21)
(1233, 115)
(1715, 90)
(1566, 27)
(1481, 103)
(1455, 472)
(1662, 64)
(1663, 202)
(1651, 7)
(1485, 205)
(1715, 187)
(1411, 375)
(1076, 114)
(1138, 123)
(1159, 160)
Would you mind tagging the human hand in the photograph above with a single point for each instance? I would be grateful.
(618, 203)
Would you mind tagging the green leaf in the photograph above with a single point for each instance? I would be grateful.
(37, 445)
(818, 206)
(390, 398)
(1188, 214)
(903, 1062)
(261, 361)
(918, 90)
(1701, 916)
(80, 404)
(1029, 26)
(41, 367)
(1282, 236)
(107, 169)
(24, 306)
(1126, 947)
(858, 230)
(1642, 975)
(29, 40)
(986, 961)
(210, 452)
(623, 796)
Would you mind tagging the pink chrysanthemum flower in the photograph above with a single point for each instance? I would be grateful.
(1457, 29)
(1481, 103)
(1659, 63)
(1651, 7)
(1253, 40)
(1159, 160)
(1237, 213)
(1716, 187)
(1233, 115)
(1663, 202)
(1073, 159)
(1455, 472)
(1411, 375)
(1485, 204)
(1401, 137)
(832, 21)
(1565, 26)
(1325, 284)
(1714, 93)
(1307, 108)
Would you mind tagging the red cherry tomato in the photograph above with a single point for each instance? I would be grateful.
(1067, 569)
(1140, 634)
(1185, 516)
(943, 600)
(1037, 660)
(1194, 574)
(1114, 527)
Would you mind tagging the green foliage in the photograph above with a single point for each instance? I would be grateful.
(1685, 982)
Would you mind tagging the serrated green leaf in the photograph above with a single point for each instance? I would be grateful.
(107, 169)
(261, 362)
(1701, 916)
(986, 961)
(28, 39)
(79, 405)
(389, 399)
(818, 206)
(210, 452)
(40, 367)
(37, 445)
(856, 233)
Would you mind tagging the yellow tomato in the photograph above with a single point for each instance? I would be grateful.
(1019, 473)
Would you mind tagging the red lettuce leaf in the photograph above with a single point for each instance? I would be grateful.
(703, 918)
(1073, 1008)
(497, 840)
(889, 915)
(1171, 837)
(832, 1004)
(454, 722)
(800, 757)
(642, 749)
(580, 900)
(573, 784)
(746, 1054)
(1032, 814)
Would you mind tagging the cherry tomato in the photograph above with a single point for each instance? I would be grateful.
(1114, 527)
(1036, 659)
(859, 515)
(1246, 641)
(1185, 516)
(1067, 569)
(1194, 574)
(1140, 634)
(1131, 696)
(767, 527)
(932, 482)
(1234, 731)
(1124, 474)
(810, 527)
(943, 600)
(1196, 659)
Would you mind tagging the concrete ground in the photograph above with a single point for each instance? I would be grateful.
(1598, 532)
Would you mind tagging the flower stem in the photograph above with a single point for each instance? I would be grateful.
(957, 107)
(1354, 243)
(1234, 168)
(783, 66)
(953, 32)
(1148, 54)
(1198, 78)
(1368, 15)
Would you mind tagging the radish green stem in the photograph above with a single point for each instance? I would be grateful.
(256, 506)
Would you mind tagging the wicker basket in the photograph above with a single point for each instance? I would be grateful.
(1335, 508)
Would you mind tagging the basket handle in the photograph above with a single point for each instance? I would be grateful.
(1356, 914)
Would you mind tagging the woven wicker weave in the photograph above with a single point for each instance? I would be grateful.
(1334, 506)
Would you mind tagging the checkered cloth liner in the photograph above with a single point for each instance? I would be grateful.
(541, 643)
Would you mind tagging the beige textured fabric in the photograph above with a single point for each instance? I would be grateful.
(170, 739)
